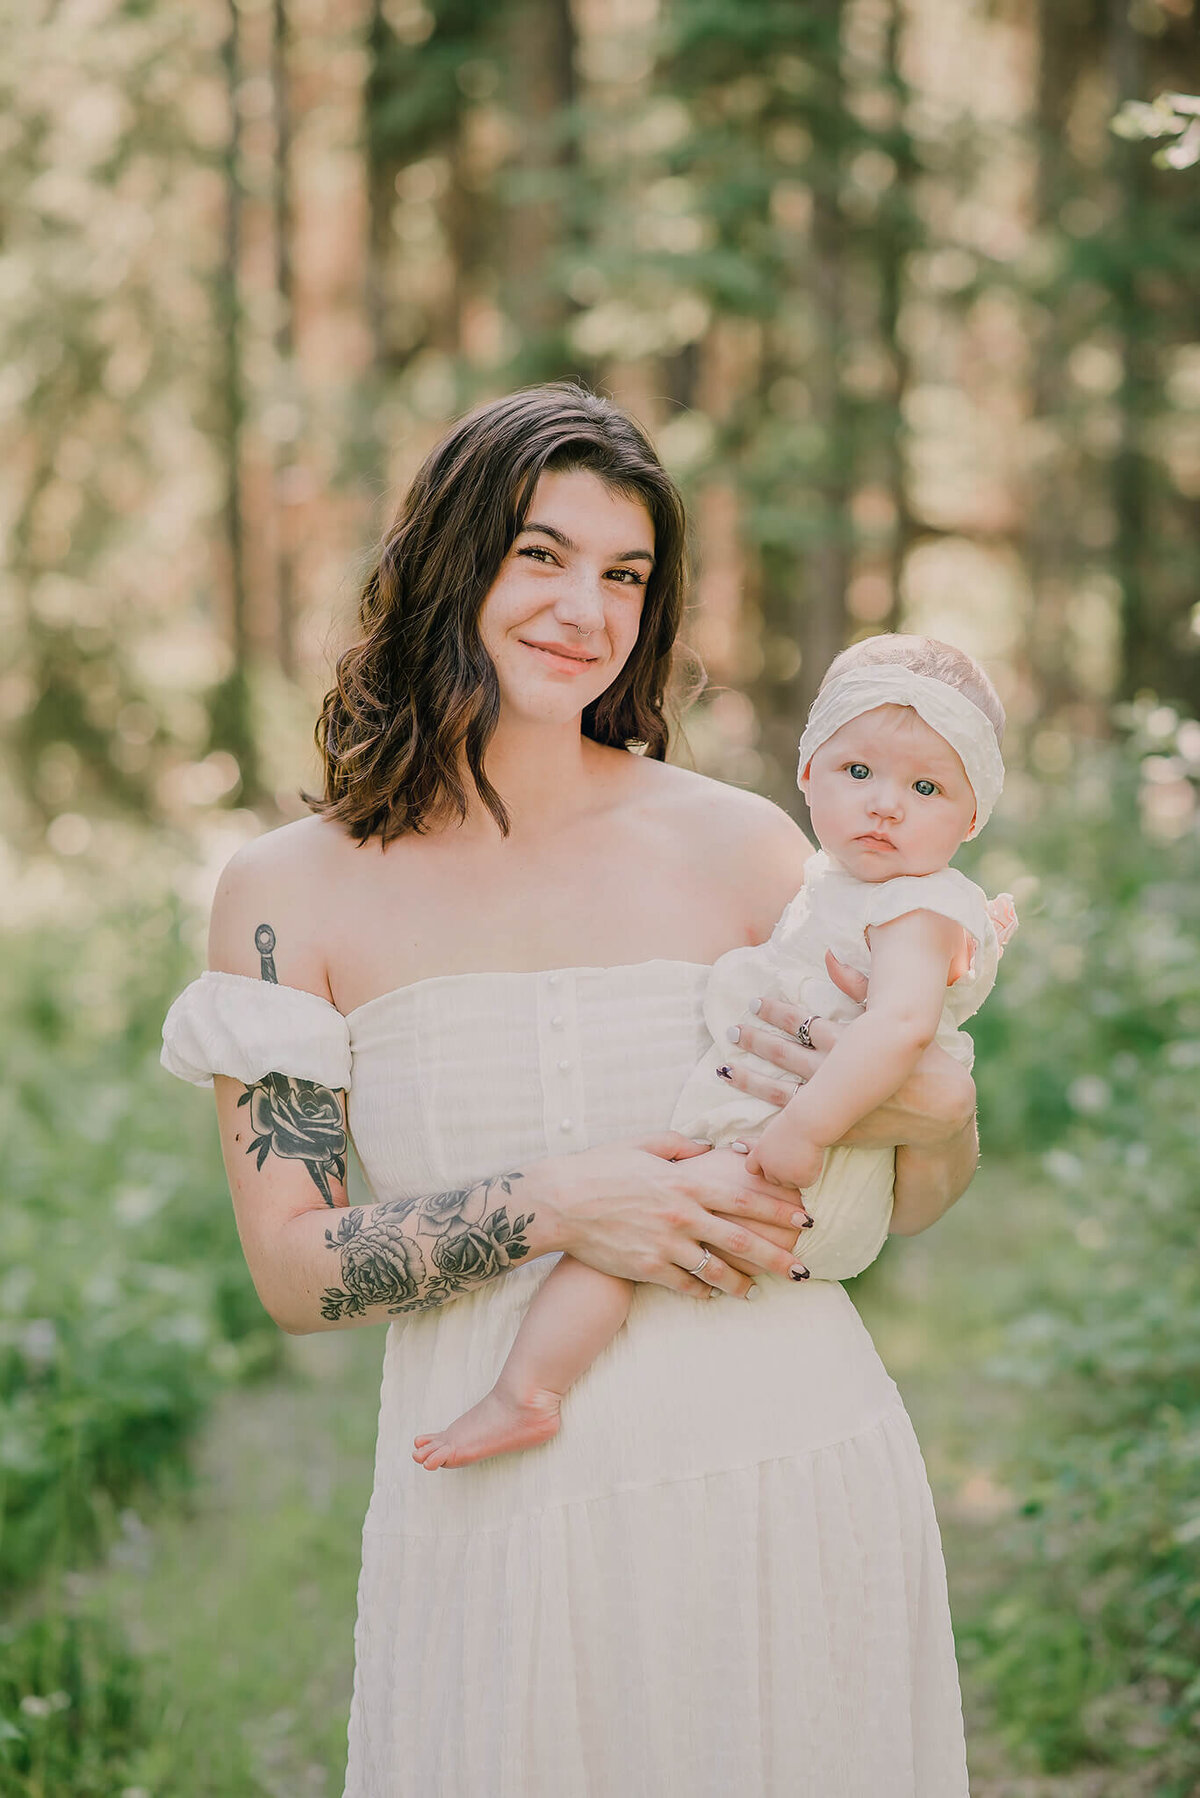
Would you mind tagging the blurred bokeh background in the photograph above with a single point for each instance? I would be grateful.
(919, 333)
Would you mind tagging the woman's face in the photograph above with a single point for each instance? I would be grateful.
(561, 618)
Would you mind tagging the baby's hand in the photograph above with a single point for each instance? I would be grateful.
(786, 1155)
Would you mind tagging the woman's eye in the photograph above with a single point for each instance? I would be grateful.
(537, 552)
(926, 788)
(859, 771)
(626, 577)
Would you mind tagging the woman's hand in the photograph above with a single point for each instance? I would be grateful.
(933, 1108)
(652, 1213)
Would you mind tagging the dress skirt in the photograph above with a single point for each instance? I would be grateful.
(722, 1579)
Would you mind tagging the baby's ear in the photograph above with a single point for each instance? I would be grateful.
(802, 779)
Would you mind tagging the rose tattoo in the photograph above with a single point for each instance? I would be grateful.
(387, 1251)
(298, 1121)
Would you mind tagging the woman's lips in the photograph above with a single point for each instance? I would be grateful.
(560, 656)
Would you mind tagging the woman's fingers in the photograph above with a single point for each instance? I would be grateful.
(775, 1089)
(669, 1145)
(677, 1280)
(788, 1019)
(783, 1051)
(720, 1278)
(724, 1189)
(851, 982)
(732, 1239)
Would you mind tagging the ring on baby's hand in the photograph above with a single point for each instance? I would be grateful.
(701, 1264)
(803, 1034)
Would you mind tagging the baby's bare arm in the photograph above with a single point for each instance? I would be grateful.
(874, 1055)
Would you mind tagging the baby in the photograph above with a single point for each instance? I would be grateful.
(900, 763)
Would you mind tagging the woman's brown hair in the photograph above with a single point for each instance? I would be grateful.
(417, 694)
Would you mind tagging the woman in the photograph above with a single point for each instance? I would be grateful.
(724, 1575)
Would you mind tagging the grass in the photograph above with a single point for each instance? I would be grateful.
(242, 1605)
(939, 1307)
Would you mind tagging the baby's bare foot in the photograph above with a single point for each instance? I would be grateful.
(497, 1425)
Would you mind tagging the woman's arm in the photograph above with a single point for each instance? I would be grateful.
(930, 1120)
(933, 1106)
(929, 1180)
(646, 1212)
(319, 1263)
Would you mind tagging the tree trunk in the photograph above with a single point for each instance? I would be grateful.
(894, 245)
(231, 727)
(1129, 469)
(281, 196)
(827, 571)
(542, 40)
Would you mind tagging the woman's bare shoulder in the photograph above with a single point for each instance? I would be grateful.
(749, 839)
(281, 883)
(699, 801)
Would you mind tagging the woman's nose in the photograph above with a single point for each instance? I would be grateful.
(581, 602)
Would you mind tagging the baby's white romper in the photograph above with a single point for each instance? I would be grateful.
(851, 1203)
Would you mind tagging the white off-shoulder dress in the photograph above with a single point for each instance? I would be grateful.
(723, 1578)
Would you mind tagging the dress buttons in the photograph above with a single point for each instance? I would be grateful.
(566, 1124)
(556, 1023)
(564, 1067)
(552, 980)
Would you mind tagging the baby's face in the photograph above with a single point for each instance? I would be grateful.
(888, 796)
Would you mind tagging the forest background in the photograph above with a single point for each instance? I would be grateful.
(919, 334)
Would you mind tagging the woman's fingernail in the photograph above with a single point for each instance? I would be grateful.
(801, 1219)
(808, 1223)
(733, 1034)
(753, 1294)
(701, 1141)
(756, 1007)
(724, 1073)
(740, 1148)
(797, 1273)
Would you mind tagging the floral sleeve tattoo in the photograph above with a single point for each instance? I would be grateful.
(414, 1254)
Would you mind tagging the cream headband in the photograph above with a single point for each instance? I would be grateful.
(943, 707)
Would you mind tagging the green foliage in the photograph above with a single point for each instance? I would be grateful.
(1169, 115)
(1092, 1041)
(99, 344)
(124, 1307)
(1103, 967)
(72, 1709)
(125, 1302)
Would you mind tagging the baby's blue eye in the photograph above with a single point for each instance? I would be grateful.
(859, 771)
(926, 788)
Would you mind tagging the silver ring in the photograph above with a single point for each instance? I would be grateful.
(701, 1265)
(803, 1036)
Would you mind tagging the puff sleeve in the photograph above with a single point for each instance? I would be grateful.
(953, 896)
(948, 893)
(232, 1024)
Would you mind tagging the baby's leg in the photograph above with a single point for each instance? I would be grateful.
(574, 1314)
